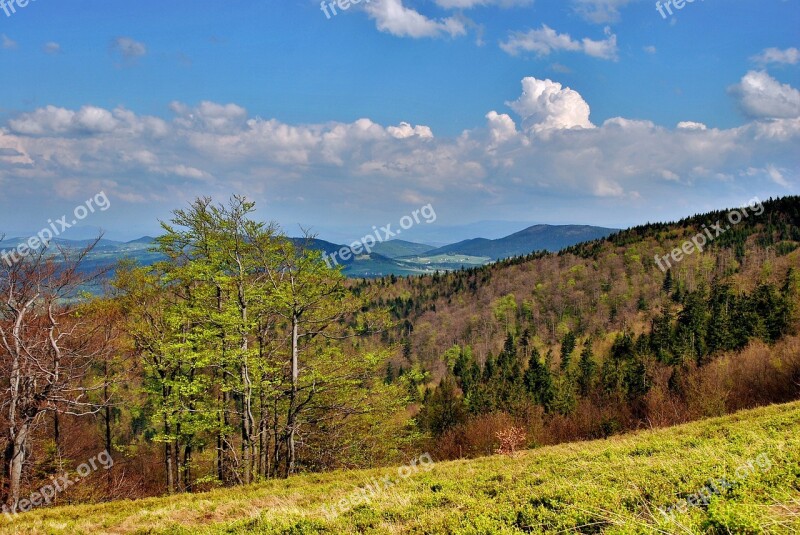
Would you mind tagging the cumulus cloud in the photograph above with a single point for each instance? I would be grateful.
(391, 16)
(49, 120)
(691, 125)
(405, 130)
(545, 105)
(52, 121)
(501, 127)
(210, 116)
(548, 147)
(761, 96)
(789, 56)
(546, 40)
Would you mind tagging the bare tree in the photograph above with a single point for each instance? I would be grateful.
(46, 351)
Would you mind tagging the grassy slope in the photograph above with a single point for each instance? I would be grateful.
(605, 486)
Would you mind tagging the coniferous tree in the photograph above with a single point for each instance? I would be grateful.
(539, 381)
(567, 347)
(586, 369)
(444, 408)
(692, 327)
(667, 285)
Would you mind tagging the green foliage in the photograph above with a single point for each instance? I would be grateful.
(505, 310)
(235, 330)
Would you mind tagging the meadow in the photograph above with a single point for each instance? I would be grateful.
(619, 485)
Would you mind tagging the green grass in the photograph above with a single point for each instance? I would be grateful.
(605, 486)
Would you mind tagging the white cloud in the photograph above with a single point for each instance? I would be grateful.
(501, 127)
(128, 48)
(391, 16)
(43, 121)
(607, 188)
(404, 130)
(186, 171)
(789, 56)
(776, 176)
(761, 96)
(600, 11)
(691, 125)
(52, 121)
(552, 150)
(546, 40)
(94, 120)
(545, 105)
(650, 49)
(211, 116)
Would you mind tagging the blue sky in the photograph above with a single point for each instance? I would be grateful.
(568, 111)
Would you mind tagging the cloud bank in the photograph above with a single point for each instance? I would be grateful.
(546, 146)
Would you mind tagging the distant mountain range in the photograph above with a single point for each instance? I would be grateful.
(535, 238)
(396, 257)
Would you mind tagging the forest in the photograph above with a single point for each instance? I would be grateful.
(242, 357)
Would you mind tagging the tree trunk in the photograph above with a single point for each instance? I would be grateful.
(15, 456)
(187, 468)
(224, 455)
(248, 421)
(291, 422)
(168, 465)
(57, 437)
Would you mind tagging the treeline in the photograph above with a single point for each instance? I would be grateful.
(779, 225)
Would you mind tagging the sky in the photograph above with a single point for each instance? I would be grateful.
(340, 117)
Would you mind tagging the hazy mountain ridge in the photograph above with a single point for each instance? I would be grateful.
(550, 238)
(393, 257)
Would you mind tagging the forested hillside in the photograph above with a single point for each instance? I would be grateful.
(597, 338)
(241, 356)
